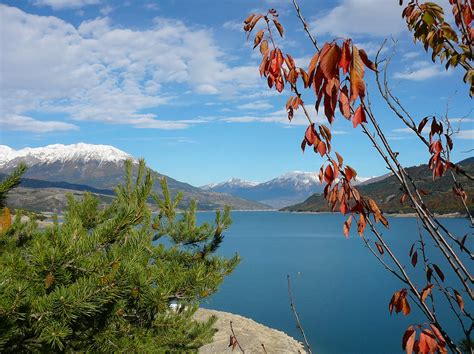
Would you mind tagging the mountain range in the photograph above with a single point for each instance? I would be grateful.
(284, 190)
(57, 169)
(386, 192)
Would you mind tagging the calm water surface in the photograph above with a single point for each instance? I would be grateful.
(340, 290)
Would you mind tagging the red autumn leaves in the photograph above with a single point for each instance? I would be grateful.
(320, 141)
(324, 73)
(430, 340)
(272, 59)
(399, 302)
(436, 148)
(325, 78)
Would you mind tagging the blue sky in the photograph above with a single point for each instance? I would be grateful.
(176, 82)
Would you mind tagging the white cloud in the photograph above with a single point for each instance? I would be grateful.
(106, 10)
(99, 73)
(467, 134)
(256, 105)
(378, 18)
(421, 70)
(234, 25)
(23, 123)
(66, 4)
(278, 117)
(371, 48)
(152, 6)
(410, 55)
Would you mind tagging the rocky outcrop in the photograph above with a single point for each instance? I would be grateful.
(250, 334)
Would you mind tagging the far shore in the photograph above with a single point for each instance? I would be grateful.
(49, 214)
(395, 215)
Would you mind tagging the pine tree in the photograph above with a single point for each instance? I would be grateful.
(113, 278)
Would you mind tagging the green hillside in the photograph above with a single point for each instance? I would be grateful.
(387, 192)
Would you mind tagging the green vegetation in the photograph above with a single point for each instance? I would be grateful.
(440, 197)
(97, 281)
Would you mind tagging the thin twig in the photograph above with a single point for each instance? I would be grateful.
(234, 337)
(297, 318)
(305, 25)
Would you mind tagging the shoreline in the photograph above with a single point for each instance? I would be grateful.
(250, 334)
(454, 215)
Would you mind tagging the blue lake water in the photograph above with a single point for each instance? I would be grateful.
(341, 291)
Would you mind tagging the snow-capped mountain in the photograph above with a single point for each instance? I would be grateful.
(100, 167)
(286, 189)
(80, 152)
(231, 186)
(283, 190)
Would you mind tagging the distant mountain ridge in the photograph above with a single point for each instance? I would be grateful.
(387, 194)
(287, 189)
(61, 153)
(98, 167)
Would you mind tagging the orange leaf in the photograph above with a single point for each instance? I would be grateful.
(422, 124)
(366, 61)
(438, 335)
(305, 77)
(264, 47)
(374, 208)
(426, 291)
(380, 248)
(340, 160)
(347, 226)
(361, 224)
(409, 339)
(258, 38)
(350, 173)
(290, 62)
(279, 27)
(321, 148)
(329, 108)
(325, 132)
(279, 84)
(249, 18)
(343, 208)
(312, 65)
(310, 135)
(359, 116)
(459, 300)
(357, 75)
(330, 60)
(405, 306)
(344, 105)
(429, 341)
(303, 144)
(345, 57)
(328, 174)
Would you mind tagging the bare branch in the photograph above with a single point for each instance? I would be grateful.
(297, 318)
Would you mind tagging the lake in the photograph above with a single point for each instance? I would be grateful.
(340, 290)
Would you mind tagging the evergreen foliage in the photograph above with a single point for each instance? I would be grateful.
(97, 281)
(10, 182)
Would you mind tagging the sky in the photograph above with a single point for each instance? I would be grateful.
(177, 82)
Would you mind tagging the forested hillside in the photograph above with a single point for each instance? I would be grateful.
(440, 197)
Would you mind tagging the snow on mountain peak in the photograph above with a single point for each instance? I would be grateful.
(241, 182)
(233, 182)
(298, 177)
(62, 153)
